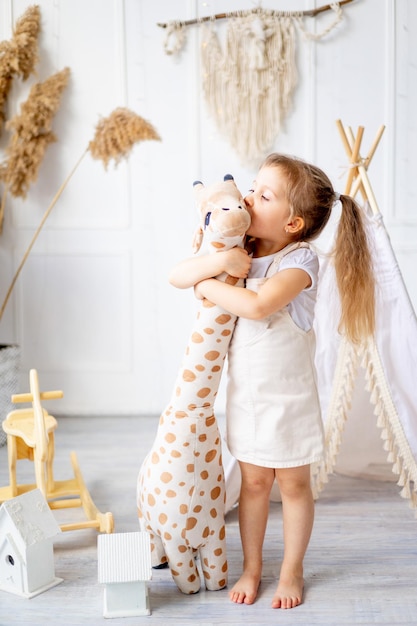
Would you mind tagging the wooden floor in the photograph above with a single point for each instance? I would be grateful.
(361, 566)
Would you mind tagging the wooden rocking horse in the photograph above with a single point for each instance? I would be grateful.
(30, 435)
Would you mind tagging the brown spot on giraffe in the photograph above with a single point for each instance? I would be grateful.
(212, 355)
(188, 376)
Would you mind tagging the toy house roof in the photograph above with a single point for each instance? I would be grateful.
(31, 517)
(124, 557)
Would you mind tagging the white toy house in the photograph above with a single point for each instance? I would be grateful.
(27, 526)
(124, 567)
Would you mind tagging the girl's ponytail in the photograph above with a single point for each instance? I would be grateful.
(354, 273)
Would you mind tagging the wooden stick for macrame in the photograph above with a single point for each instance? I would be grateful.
(38, 230)
(222, 16)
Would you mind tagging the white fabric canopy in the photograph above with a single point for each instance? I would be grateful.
(389, 361)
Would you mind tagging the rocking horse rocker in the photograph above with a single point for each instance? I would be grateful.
(181, 489)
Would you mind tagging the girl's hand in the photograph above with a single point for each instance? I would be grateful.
(189, 272)
(237, 262)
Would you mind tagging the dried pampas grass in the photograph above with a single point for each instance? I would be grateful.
(26, 38)
(114, 138)
(32, 133)
(20, 55)
(31, 129)
(116, 135)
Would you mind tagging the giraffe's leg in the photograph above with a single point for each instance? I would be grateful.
(158, 556)
(214, 563)
(181, 559)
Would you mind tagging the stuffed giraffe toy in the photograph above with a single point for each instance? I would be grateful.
(181, 489)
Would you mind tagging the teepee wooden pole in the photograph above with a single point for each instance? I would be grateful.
(369, 191)
(354, 156)
(374, 145)
(348, 149)
(363, 177)
(358, 183)
(354, 159)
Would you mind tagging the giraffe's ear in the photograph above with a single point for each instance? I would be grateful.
(198, 189)
(197, 239)
(199, 232)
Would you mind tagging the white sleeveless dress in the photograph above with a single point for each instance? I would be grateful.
(273, 411)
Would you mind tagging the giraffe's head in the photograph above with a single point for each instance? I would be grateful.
(224, 219)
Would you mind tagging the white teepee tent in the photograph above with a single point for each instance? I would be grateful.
(387, 361)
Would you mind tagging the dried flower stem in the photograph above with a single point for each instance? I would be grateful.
(38, 230)
(114, 138)
(2, 207)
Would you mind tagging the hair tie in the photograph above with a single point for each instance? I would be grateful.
(336, 196)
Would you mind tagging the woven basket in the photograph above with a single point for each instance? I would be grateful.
(9, 382)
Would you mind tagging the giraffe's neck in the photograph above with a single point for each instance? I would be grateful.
(198, 380)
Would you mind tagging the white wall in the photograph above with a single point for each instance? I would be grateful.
(92, 310)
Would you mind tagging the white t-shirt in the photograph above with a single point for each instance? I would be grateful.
(301, 308)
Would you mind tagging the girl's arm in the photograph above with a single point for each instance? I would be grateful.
(189, 272)
(273, 295)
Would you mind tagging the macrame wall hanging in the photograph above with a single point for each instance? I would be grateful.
(248, 83)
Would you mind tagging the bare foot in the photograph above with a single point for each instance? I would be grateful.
(289, 593)
(245, 590)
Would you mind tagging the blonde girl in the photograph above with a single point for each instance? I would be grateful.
(273, 420)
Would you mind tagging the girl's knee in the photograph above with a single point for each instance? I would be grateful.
(294, 482)
(256, 480)
(256, 488)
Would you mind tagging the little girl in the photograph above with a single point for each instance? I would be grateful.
(273, 420)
